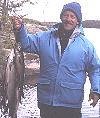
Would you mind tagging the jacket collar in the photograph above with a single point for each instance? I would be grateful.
(78, 30)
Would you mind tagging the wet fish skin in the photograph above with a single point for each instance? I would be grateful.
(20, 67)
(14, 80)
(11, 85)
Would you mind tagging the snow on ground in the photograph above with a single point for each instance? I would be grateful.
(87, 110)
(29, 108)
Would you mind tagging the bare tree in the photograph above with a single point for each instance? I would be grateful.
(6, 32)
(6, 6)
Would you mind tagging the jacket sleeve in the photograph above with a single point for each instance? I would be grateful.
(94, 70)
(29, 42)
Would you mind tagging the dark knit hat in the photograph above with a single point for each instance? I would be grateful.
(74, 7)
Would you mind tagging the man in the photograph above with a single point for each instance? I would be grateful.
(66, 57)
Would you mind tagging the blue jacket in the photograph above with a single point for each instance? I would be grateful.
(62, 77)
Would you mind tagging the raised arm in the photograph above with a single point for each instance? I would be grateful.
(29, 42)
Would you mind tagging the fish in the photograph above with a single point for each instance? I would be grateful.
(20, 67)
(14, 80)
(10, 76)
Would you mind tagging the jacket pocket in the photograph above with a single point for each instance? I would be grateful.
(43, 90)
(71, 85)
(43, 85)
(44, 81)
(71, 93)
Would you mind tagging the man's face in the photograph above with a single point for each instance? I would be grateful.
(69, 20)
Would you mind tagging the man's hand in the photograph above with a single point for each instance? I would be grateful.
(17, 22)
(95, 97)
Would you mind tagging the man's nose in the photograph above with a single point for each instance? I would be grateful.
(68, 18)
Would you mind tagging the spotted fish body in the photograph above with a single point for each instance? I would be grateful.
(10, 76)
(14, 76)
(20, 68)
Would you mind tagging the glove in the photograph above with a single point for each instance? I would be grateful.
(95, 97)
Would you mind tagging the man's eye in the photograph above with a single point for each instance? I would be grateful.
(73, 17)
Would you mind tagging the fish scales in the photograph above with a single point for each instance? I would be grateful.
(14, 79)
